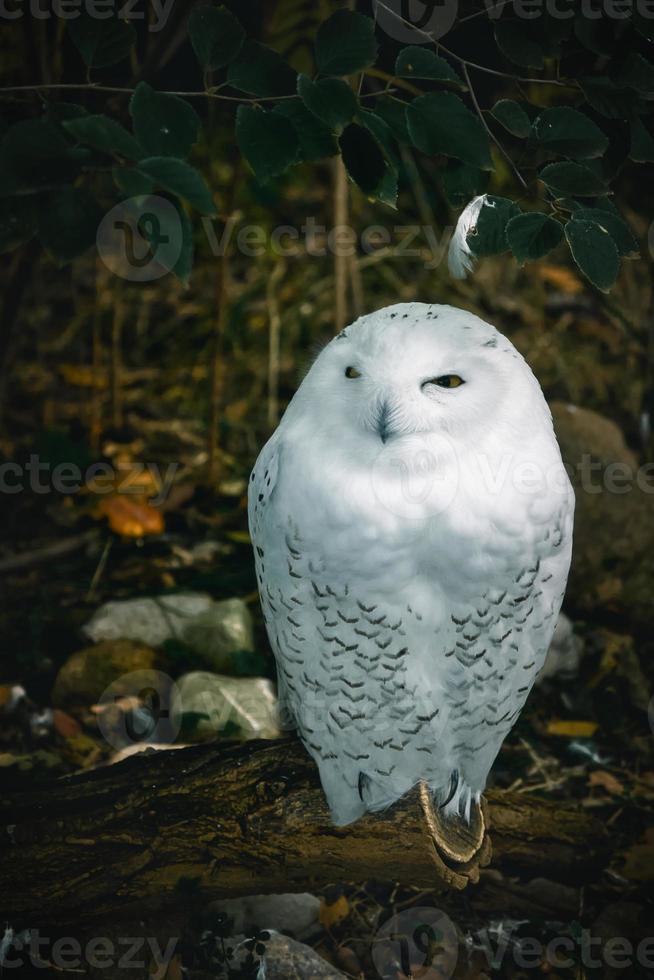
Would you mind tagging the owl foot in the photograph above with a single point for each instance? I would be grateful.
(458, 802)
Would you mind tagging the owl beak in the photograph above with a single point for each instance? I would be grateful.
(383, 422)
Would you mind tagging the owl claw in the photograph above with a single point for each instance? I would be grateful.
(454, 782)
(363, 785)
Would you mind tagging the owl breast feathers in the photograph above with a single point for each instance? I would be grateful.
(412, 526)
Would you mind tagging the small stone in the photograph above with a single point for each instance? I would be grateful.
(214, 631)
(244, 707)
(294, 913)
(87, 673)
(564, 655)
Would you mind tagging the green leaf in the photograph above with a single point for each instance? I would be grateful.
(439, 122)
(316, 141)
(258, 70)
(461, 182)
(330, 99)
(513, 117)
(617, 228)
(216, 36)
(594, 251)
(345, 43)
(180, 179)
(68, 220)
(267, 140)
(363, 157)
(131, 182)
(388, 186)
(642, 142)
(571, 179)
(637, 73)
(17, 221)
(104, 134)
(164, 125)
(419, 62)
(518, 46)
(533, 235)
(393, 112)
(606, 98)
(60, 112)
(489, 237)
(101, 41)
(35, 154)
(569, 132)
(382, 133)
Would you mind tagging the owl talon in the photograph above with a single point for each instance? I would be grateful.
(454, 783)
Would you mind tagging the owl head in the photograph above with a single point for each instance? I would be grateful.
(417, 369)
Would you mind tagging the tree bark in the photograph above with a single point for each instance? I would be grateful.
(218, 821)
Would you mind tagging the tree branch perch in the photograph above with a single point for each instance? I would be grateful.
(246, 819)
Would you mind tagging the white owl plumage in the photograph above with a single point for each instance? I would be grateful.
(412, 526)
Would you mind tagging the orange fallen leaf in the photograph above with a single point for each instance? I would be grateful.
(64, 725)
(606, 781)
(333, 912)
(560, 277)
(131, 518)
(572, 729)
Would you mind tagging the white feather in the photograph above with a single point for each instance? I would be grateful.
(460, 257)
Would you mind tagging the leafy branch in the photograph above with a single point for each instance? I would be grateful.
(63, 170)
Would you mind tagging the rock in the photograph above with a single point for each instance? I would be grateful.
(242, 706)
(287, 959)
(581, 431)
(613, 550)
(297, 914)
(225, 628)
(564, 654)
(215, 631)
(86, 674)
(149, 621)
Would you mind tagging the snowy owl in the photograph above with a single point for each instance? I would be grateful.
(412, 526)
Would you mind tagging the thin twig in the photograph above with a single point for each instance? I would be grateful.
(117, 90)
(489, 130)
(30, 558)
(93, 87)
(473, 64)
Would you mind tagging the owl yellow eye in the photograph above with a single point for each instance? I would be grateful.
(351, 372)
(446, 381)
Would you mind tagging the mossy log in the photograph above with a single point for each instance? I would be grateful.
(220, 821)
